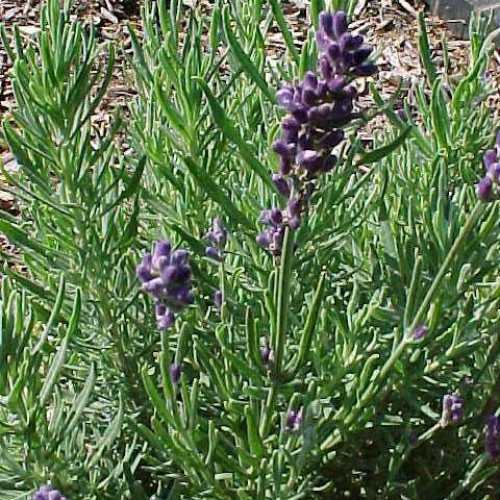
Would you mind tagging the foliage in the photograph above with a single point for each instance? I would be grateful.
(382, 303)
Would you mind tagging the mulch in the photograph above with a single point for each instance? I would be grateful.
(389, 25)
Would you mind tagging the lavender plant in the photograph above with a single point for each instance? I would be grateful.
(165, 345)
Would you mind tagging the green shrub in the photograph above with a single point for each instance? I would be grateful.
(356, 354)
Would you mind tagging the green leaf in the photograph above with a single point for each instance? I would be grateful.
(244, 60)
(156, 399)
(310, 327)
(256, 445)
(439, 113)
(283, 298)
(425, 50)
(133, 185)
(231, 132)
(378, 154)
(28, 284)
(285, 31)
(135, 487)
(214, 191)
(108, 438)
(53, 375)
(81, 401)
(20, 238)
(75, 315)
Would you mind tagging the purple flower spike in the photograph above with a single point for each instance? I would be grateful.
(318, 107)
(453, 410)
(265, 354)
(213, 253)
(175, 372)
(48, 493)
(217, 237)
(487, 188)
(402, 115)
(420, 332)
(263, 239)
(166, 275)
(293, 420)
(161, 250)
(492, 441)
(164, 317)
(144, 268)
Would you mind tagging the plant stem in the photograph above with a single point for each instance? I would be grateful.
(464, 485)
(283, 300)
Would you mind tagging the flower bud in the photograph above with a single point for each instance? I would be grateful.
(175, 372)
(484, 189)
(453, 409)
(339, 24)
(492, 441)
(420, 332)
(293, 420)
(281, 185)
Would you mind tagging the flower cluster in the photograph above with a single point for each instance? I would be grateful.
(493, 437)
(272, 237)
(318, 108)
(453, 410)
(166, 275)
(486, 186)
(48, 493)
(217, 237)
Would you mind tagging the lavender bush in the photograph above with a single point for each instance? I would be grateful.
(253, 304)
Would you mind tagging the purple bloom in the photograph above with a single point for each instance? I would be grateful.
(175, 372)
(166, 275)
(420, 332)
(218, 299)
(493, 437)
(213, 253)
(48, 493)
(272, 237)
(318, 108)
(282, 185)
(487, 188)
(402, 115)
(453, 409)
(293, 420)
(266, 353)
(484, 189)
(164, 317)
(217, 237)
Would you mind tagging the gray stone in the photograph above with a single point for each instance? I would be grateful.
(457, 13)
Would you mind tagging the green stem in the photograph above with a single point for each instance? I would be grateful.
(283, 301)
(464, 485)
(409, 449)
(265, 421)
